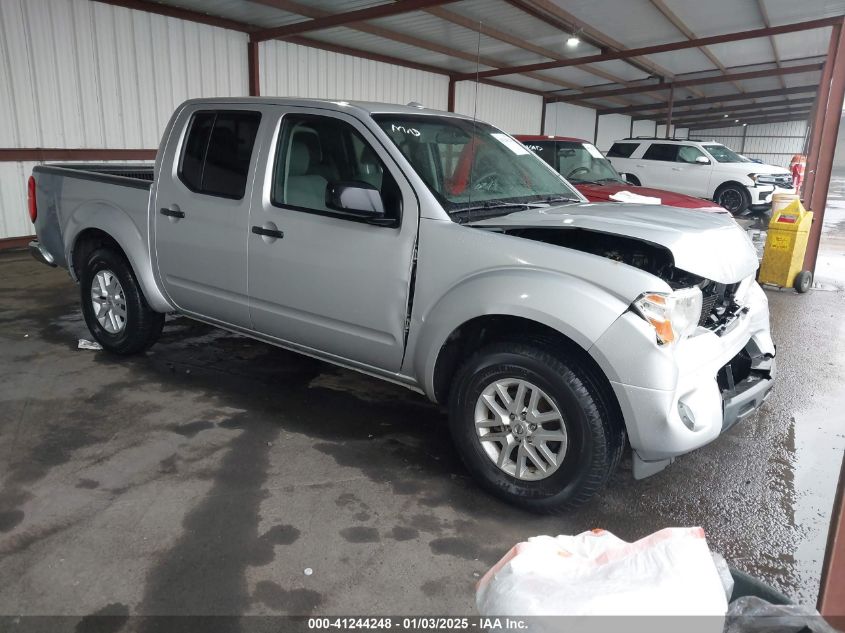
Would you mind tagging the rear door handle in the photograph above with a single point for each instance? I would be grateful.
(172, 213)
(260, 230)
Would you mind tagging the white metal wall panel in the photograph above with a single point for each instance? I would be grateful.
(612, 127)
(512, 111)
(565, 119)
(81, 74)
(773, 143)
(291, 70)
(644, 128)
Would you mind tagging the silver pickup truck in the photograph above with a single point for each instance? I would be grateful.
(437, 252)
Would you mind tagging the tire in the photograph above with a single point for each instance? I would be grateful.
(803, 281)
(733, 197)
(139, 327)
(593, 425)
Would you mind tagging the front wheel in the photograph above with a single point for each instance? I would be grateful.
(113, 305)
(734, 198)
(535, 428)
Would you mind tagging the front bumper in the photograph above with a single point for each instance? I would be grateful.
(40, 253)
(677, 398)
(761, 195)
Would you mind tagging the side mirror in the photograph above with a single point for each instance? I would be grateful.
(702, 160)
(627, 178)
(358, 199)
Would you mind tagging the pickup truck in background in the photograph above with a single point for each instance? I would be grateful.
(705, 169)
(551, 329)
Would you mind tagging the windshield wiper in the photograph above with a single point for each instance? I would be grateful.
(498, 209)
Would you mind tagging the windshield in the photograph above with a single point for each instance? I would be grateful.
(471, 165)
(723, 155)
(583, 163)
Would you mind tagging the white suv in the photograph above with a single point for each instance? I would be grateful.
(700, 168)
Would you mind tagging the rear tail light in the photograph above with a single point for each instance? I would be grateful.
(30, 199)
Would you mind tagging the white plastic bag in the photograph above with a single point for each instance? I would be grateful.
(670, 572)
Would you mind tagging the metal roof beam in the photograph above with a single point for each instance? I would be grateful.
(182, 14)
(300, 8)
(725, 109)
(667, 48)
(764, 14)
(731, 119)
(718, 123)
(646, 107)
(508, 38)
(551, 13)
(690, 35)
(700, 81)
(349, 17)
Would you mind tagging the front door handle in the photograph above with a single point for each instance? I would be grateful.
(260, 230)
(172, 213)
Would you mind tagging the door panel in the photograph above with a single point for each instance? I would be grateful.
(691, 178)
(201, 213)
(331, 283)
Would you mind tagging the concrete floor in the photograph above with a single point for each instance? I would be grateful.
(206, 475)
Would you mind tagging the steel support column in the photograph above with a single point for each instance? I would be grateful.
(252, 68)
(543, 117)
(827, 126)
(450, 99)
(669, 109)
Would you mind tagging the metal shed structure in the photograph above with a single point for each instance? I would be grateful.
(97, 79)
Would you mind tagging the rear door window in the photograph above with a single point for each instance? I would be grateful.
(661, 151)
(622, 150)
(217, 152)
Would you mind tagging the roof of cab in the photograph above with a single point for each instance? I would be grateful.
(367, 107)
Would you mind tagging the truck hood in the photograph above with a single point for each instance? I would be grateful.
(709, 245)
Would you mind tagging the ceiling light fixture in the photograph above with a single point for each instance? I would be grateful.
(736, 120)
(573, 40)
(726, 116)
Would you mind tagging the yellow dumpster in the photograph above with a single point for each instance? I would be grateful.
(786, 243)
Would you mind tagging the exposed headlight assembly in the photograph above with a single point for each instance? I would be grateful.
(673, 315)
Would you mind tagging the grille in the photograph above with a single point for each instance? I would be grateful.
(781, 180)
(707, 304)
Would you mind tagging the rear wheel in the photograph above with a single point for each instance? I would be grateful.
(733, 197)
(535, 428)
(115, 310)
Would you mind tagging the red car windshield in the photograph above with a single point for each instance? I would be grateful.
(583, 163)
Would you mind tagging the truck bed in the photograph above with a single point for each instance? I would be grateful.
(137, 175)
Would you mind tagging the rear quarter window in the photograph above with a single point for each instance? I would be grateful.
(661, 151)
(622, 150)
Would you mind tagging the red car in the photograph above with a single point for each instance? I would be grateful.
(592, 174)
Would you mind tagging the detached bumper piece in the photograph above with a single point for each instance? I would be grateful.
(40, 253)
(746, 384)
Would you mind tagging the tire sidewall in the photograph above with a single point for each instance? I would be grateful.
(564, 483)
(105, 259)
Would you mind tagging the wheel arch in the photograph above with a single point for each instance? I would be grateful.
(103, 226)
(727, 183)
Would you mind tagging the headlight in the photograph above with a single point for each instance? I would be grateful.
(672, 315)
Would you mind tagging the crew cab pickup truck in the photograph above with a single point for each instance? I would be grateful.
(701, 168)
(553, 330)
